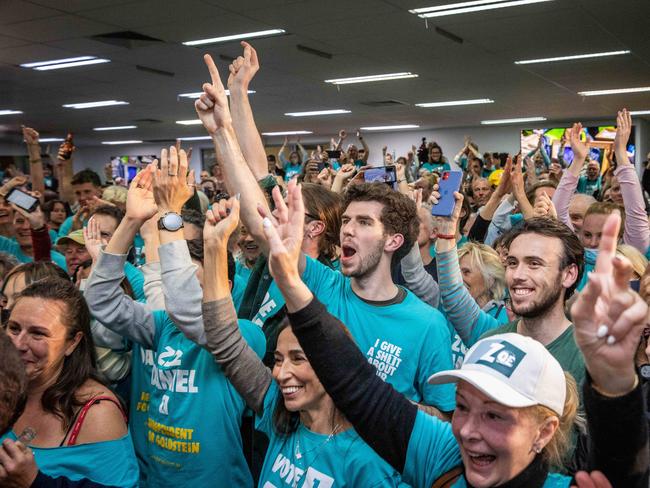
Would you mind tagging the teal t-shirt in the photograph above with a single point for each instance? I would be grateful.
(136, 280)
(11, 246)
(109, 463)
(65, 227)
(291, 170)
(305, 459)
(458, 347)
(436, 167)
(407, 342)
(141, 365)
(194, 413)
(587, 186)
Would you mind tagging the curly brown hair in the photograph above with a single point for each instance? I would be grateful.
(398, 215)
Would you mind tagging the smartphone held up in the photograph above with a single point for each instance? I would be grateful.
(448, 184)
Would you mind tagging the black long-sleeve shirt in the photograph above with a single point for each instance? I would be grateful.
(618, 432)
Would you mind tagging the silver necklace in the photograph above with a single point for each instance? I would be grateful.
(298, 455)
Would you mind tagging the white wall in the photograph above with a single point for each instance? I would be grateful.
(492, 139)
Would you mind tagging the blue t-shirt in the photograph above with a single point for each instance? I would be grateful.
(65, 227)
(141, 366)
(305, 459)
(11, 246)
(407, 342)
(186, 441)
(109, 463)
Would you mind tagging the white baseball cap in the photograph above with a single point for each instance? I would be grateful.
(513, 370)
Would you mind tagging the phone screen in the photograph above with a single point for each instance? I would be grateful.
(22, 199)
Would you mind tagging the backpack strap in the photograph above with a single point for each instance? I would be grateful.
(449, 478)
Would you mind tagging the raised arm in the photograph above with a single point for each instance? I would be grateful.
(609, 319)
(107, 301)
(237, 359)
(569, 181)
(212, 109)
(366, 149)
(35, 161)
(382, 417)
(462, 310)
(65, 173)
(637, 232)
(519, 190)
(181, 288)
(242, 71)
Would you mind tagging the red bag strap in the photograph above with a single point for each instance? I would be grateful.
(84, 411)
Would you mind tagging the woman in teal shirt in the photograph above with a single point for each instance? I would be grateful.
(79, 423)
(311, 442)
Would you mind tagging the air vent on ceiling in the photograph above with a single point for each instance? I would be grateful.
(127, 39)
(315, 52)
(158, 141)
(154, 71)
(449, 35)
(148, 121)
(383, 103)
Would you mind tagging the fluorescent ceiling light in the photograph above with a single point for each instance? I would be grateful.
(468, 7)
(512, 121)
(391, 127)
(234, 37)
(453, 103)
(569, 58)
(318, 112)
(51, 139)
(57, 61)
(640, 112)
(614, 91)
(288, 133)
(189, 122)
(370, 78)
(117, 127)
(10, 112)
(198, 94)
(117, 143)
(105, 103)
(72, 65)
(197, 138)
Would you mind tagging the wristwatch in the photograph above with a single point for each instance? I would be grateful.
(644, 370)
(171, 222)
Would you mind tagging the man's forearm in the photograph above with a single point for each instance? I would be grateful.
(247, 133)
(123, 236)
(239, 179)
(36, 169)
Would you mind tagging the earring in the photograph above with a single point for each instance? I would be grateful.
(537, 449)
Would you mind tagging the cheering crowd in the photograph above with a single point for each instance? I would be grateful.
(286, 322)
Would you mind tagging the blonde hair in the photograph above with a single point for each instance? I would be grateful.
(638, 260)
(488, 262)
(115, 194)
(556, 452)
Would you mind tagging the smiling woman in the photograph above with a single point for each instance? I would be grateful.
(67, 404)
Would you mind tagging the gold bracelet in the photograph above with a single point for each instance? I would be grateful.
(609, 395)
(34, 161)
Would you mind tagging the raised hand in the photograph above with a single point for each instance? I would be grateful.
(505, 185)
(243, 69)
(285, 235)
(578, 147)
(342, 134)
(325, 178)
(447, 226)
(609, 317)
(172, 185)
(212, 106)
(93, 239)
(30, 136)
(221, 221)
(623, 130)
(140, 203)
(544, 207)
